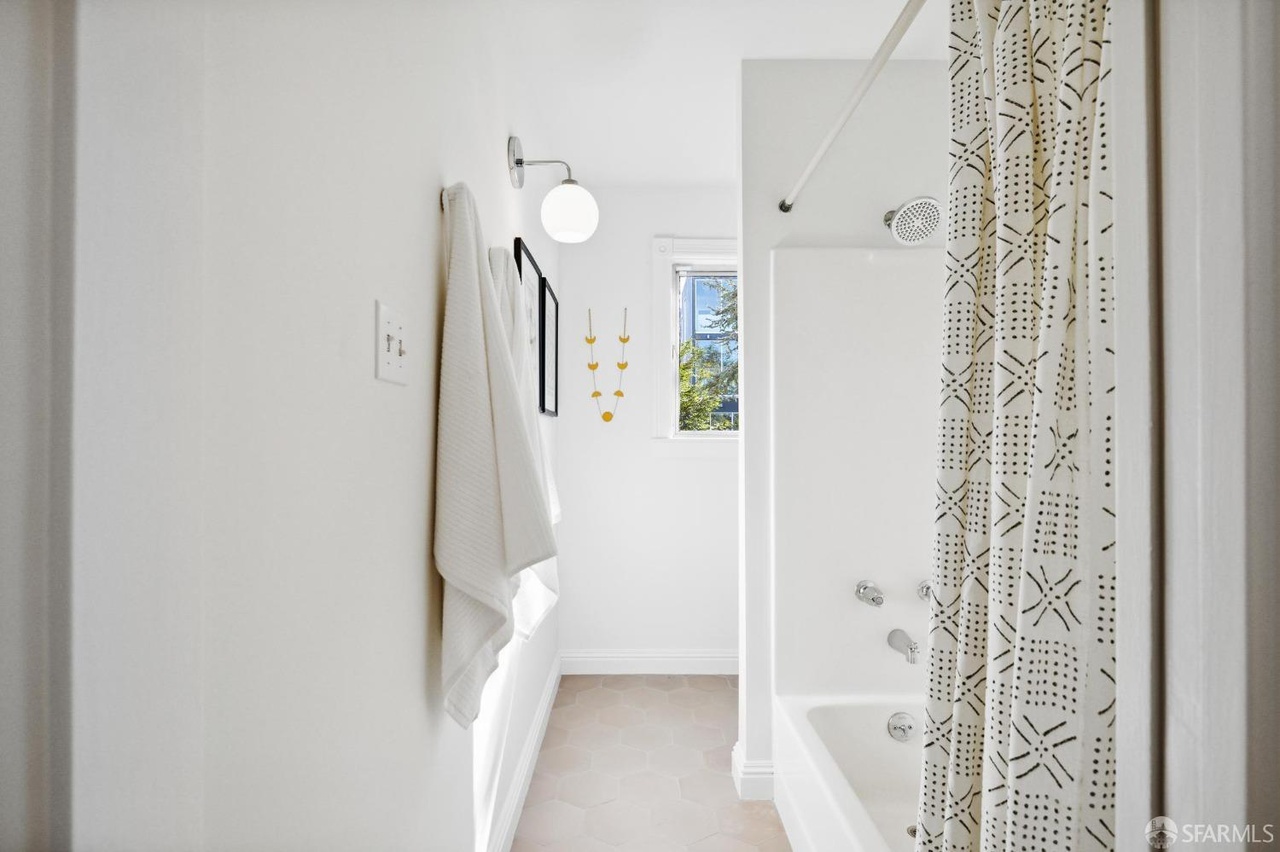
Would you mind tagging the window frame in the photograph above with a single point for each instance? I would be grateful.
(672, 255)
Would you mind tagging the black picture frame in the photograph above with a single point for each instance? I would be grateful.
(548, 331)
(548, 350)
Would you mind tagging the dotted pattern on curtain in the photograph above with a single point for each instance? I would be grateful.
(1019, 750)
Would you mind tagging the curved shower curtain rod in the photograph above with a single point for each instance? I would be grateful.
(878, 61)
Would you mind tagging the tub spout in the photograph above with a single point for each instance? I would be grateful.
(903, 644)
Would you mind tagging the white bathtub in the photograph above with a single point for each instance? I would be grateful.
(841, 783)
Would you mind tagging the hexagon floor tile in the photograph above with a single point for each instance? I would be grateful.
(638, 763)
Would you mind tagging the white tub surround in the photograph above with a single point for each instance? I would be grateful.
(840, 780)
(880, 304)
(873, 518)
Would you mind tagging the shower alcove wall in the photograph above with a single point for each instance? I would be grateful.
(840, 369)
(855, 396)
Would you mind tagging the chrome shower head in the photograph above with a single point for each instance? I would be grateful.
(915, 221)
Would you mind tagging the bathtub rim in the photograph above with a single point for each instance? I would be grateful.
(793, 711)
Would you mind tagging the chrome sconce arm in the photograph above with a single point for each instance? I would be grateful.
(516, 163)
(569, 213)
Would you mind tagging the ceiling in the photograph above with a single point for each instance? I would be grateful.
(647, 92)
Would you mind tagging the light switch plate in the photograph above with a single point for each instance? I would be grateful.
(391, 363)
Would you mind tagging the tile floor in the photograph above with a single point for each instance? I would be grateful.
(640, 763)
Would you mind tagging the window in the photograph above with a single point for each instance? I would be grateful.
(695, 292)
(708, 350)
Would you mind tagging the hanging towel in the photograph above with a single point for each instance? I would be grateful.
(520, 303)
(518, 309)
(491, 515)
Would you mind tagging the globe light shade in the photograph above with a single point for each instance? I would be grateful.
(569, 213)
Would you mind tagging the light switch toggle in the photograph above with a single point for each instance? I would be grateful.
(390, 364)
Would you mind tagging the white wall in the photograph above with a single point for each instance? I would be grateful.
(138, 770)
(894, 149)
(1138, 709)
(1220, 361)
(1262, 309)
(26, 355)
(645, 93)
(257, 621)
(648, 553)
(857, 343)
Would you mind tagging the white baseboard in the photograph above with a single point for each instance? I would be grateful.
(504, 831)
(753, 778)
(649, 661)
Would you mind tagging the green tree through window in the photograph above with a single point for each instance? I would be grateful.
(708, 354)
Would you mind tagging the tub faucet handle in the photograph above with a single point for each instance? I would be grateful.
(869, 593)
(905, 645)
(901, 725)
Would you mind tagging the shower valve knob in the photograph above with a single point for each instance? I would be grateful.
(901, 726)
(869, 593)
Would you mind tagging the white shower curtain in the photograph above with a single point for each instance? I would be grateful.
(1019, 750)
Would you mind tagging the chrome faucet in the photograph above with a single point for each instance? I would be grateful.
(869, 593)
(903, 644)
(901, 725)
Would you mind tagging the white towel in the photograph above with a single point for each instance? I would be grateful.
(532, 604)
(491, 513)
(520, 303)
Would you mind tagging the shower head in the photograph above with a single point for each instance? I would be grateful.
(915, 221)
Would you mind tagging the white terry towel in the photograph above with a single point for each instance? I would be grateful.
(518, 307)
(491, 514)
(520, 304)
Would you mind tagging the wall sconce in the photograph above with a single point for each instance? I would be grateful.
(569, 213)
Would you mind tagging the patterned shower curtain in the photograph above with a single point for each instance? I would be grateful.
(1019, 750)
